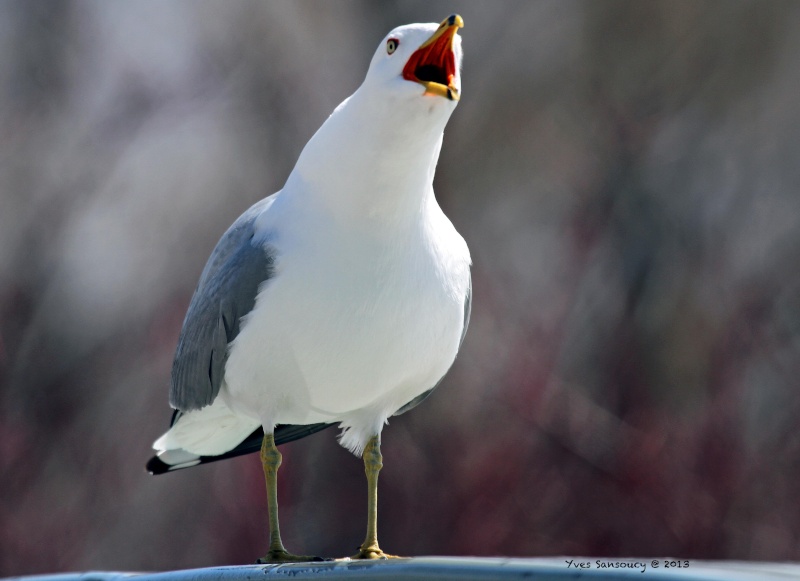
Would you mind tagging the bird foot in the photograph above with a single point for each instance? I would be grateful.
(373, 552)
(282, 556)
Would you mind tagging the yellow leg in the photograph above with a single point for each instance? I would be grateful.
(373, 462)
(271, 461)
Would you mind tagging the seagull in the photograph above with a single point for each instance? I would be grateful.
(341, 299)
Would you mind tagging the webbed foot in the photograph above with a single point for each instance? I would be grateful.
(372, 552)
(282, 556)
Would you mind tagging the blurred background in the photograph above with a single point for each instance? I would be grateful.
(627, 177)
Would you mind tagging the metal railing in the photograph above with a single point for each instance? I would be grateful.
(461, 568)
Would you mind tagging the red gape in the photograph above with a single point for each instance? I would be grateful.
(434, 60)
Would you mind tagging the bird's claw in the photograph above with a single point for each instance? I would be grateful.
(372, 552)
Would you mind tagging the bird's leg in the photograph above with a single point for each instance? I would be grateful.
(373, 462)
(270, 461)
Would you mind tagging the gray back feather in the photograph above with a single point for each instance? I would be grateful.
(226, 292)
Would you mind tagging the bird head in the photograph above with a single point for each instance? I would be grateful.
(420, 61)
(385, 138)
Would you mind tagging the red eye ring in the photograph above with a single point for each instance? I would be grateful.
(391, 45)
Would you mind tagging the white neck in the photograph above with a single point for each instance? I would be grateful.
(358, 163)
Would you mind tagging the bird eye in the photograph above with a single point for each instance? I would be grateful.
(391, 45)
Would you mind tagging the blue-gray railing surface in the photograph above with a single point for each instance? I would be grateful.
(460, 569)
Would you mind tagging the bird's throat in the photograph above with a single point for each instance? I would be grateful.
(371, 158)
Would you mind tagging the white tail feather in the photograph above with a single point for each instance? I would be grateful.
(211, 431)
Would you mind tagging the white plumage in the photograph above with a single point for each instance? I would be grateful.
(343, 298)
(365, 308)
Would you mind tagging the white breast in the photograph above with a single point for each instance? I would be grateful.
(354, 325)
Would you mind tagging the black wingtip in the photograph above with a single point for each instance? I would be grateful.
(156, 466)
(283, 435)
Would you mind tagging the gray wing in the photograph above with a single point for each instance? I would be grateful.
(226, 292)
(423, 396)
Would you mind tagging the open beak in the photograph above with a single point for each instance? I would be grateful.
(433, 64)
